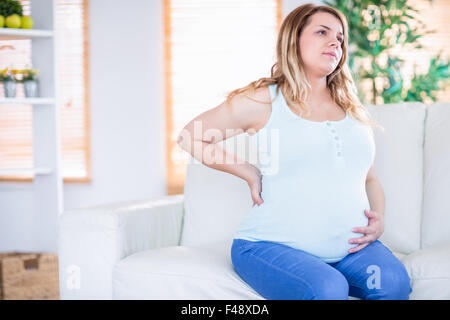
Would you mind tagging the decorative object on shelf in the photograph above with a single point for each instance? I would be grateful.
(29, 276)
(13, 21)
(9, 7)
(27, 22)
(30, 82)
(7, 77)
(11, 15)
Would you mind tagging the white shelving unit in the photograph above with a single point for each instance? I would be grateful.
(33, 101)
(47, 182)
(20, 34)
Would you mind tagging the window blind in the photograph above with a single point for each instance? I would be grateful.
(72, 59)
(212, 47)
(16, 145)
(16, 149)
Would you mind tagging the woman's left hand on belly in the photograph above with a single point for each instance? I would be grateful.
(372, 231)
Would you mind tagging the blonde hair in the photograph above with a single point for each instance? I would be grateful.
(288, 72)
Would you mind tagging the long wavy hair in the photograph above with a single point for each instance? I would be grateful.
(289, 74)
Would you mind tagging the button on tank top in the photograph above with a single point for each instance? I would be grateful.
(313, 183)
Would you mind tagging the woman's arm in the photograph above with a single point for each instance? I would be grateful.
(200, 136)
(375, 195)
(375, 227)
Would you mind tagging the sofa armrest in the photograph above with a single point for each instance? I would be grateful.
(429, 270)
(92, 239)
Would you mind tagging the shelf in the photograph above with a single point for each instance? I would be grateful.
(36, 101)
(20, 34)
(36, 171)
(40, 182)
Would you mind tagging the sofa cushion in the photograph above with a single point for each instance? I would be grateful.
(429, 270)
(180, 273)
(399, 168)
(436, 207)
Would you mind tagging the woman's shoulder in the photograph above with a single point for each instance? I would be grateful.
(261, 107)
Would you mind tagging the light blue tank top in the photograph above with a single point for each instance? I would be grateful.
(313, 183)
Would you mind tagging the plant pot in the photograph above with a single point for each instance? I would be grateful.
(10, 88)
(30, 87)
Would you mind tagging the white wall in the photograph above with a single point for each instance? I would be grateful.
(127, 104)
(127, 117)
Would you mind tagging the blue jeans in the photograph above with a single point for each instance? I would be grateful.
(280, 272)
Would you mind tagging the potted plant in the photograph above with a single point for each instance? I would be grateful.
(7, 77)
(30, 82)
(378, 27)
(11, 13)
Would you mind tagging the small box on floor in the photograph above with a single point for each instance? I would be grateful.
(29, 276)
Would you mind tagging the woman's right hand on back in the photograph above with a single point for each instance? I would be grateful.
(255, 185)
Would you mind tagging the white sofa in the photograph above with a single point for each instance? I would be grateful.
(178, 247)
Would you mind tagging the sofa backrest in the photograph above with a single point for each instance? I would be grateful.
(436, 197)
(216, 202)
(399, 168)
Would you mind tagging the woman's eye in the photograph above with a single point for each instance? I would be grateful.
(340, 39)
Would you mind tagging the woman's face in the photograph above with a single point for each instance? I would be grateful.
(323, 34)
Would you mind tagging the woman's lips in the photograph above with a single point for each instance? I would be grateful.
(330, 55)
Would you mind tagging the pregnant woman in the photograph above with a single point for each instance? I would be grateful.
(318, 209)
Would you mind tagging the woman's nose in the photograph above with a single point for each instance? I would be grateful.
(334, 42)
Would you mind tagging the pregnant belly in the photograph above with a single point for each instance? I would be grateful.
(321, 229)
(319, 217)
(326, 240)
(314, 218)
